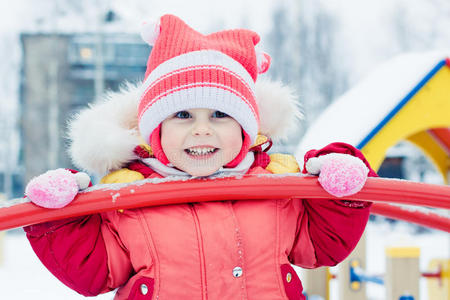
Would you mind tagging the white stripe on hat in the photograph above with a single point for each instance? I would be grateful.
(162, 95)
(196, 58)
(215, 98)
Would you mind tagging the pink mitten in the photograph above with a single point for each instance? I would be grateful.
(55, 188)
(339, 174)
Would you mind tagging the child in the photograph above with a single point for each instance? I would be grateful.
(199, 110)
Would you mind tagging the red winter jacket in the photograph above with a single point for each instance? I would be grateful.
(213, 250)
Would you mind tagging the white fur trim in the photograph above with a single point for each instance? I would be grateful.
(82, 180)
(103, 136)
(278, 107)
(313, 165)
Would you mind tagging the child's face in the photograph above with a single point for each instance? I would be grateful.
(200, 141)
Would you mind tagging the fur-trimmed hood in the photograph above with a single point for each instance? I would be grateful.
(104, 135)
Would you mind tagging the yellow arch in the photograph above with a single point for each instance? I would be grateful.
(432, 149)
(428, 108)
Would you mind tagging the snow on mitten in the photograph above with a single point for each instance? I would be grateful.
(55, 188)
(339, 174)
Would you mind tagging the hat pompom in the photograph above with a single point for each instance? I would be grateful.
(262, 61)
(150, 31)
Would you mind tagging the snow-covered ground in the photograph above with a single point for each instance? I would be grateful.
(23, 277)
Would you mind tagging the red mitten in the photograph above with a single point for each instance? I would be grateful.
(56, 188)
(339, 174)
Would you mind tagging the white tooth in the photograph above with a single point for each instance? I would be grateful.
(200, 151)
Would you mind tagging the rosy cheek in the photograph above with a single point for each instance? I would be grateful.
(168, 136)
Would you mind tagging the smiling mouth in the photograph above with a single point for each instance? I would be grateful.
(201, 151)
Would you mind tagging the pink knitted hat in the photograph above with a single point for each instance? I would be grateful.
(187, 70)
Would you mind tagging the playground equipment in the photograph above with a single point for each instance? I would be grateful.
(358, 275)
(401, 278)
(154, 192)
(403, 275)
(439, 289)
(405, 99)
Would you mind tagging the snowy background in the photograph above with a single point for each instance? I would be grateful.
(321, 48)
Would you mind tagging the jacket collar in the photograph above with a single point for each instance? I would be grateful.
(170, 170)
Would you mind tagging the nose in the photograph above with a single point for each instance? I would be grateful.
(201, 127)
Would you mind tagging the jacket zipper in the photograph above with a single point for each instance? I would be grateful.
(201, 250)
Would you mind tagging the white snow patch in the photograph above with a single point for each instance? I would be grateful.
(115, 196)
(12, 202)
(23, 276)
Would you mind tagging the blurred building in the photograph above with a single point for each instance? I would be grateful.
(62, 73)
